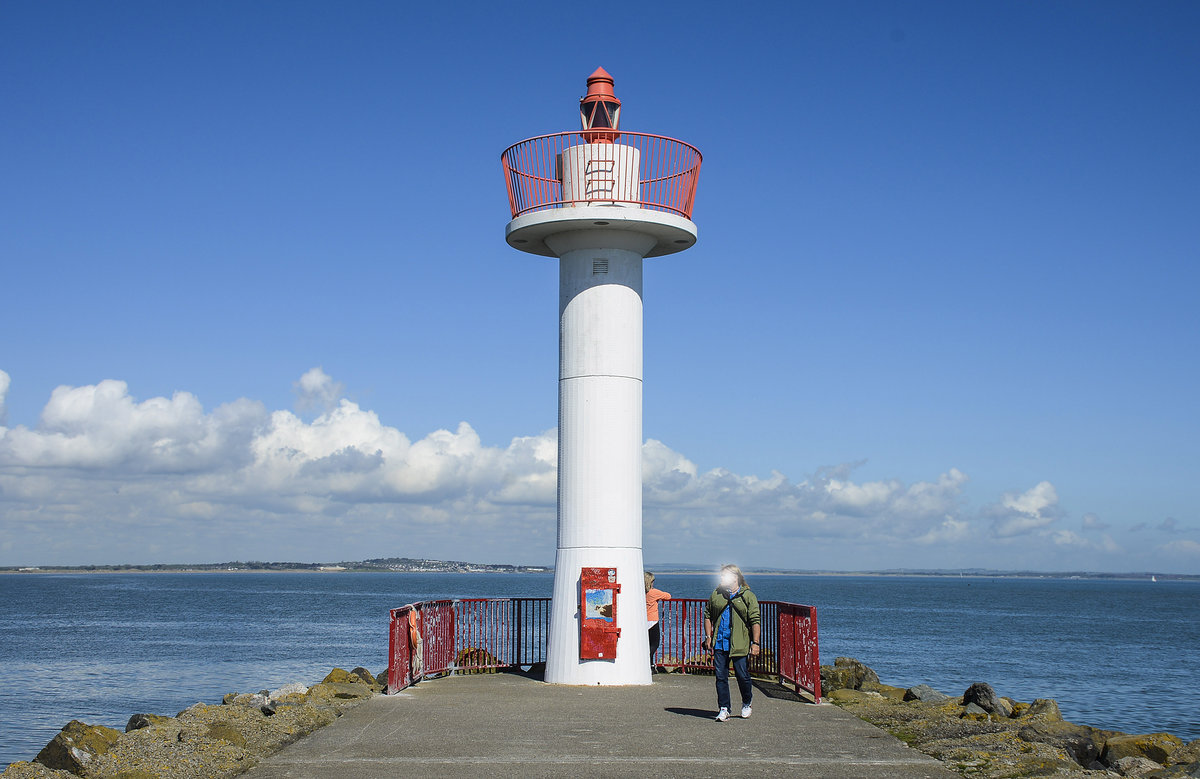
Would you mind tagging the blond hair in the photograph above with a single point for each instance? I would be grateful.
(736, 572)
(649, 580)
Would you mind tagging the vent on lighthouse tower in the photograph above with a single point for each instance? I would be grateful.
(599, 265)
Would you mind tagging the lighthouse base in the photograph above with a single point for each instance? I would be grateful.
(632, 662)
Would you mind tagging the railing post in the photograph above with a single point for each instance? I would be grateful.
(816, 657)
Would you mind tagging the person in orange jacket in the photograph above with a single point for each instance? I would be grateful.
(653, 596)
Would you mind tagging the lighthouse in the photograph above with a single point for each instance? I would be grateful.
(600, 200)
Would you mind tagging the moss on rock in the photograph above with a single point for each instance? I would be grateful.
(1152, 746)
(76, 746)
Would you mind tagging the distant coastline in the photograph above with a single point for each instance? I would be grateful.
(378, 565)
(414, 565)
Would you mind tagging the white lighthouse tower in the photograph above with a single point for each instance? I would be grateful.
(600, 200)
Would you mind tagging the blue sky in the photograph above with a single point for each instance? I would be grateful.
(257, 302)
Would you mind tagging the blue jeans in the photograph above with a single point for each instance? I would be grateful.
(741, 670)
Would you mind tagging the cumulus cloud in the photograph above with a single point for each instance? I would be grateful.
(1093, 522)
(682, 502)
(102, 463)
(100, 427)
(99, 453)
(317, 391)
(4, 384)
(1026, 512)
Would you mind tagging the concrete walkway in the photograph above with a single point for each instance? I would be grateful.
(510, 725)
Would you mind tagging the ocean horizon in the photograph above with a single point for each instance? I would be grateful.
(1120, 654)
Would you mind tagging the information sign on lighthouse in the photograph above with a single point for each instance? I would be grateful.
(600, 199)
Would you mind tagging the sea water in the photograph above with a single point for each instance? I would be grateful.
(1123, 655)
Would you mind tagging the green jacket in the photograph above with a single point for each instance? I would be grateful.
(744, 608)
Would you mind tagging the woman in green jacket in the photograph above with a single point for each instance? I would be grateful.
(732, 631)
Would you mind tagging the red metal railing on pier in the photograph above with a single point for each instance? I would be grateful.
(667, 172)
(487, 634)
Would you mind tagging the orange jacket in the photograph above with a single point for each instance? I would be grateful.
(652, 599)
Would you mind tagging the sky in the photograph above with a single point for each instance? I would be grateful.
(942, 313)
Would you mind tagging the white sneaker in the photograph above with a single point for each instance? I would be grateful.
(722, 715)
(746, 711)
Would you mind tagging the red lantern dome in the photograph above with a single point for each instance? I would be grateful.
(600, 109)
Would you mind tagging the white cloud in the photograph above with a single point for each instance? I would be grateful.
(100, 427)
(1181, 547)
(317, 391)
(105, 471)
(4, 385)
(1023, 513)
(1071, 539)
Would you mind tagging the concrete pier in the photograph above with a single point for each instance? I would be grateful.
(510, 725)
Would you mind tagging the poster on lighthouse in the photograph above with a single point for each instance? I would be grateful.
(599, 605)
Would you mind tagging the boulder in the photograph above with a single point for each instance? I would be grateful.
(24, 770)
(295, 688)
(846, 673)
(341, 676)
(250, 700)
(983, 696)
(887, 691)
(1044, 709)
(1135, 766)
(77, 745)
(139, 721)
(1076, 740)
(850, 696)
(1152, 746)
(974, 711)
(925, 694)
(335, 690)
(1185, 755)
(225, 731)
(365, 675)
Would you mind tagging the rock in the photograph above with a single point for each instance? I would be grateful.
(342, 691)
(341, 676)
(1153, 746)
(225, 731)
(1043, 708)
(365, 675)
(887, 691)
(1135, 766)
(925, 694)
(1190, 753)
(295, 688)
(974, 711)
(1077, 740)
(253, 701)
(849, 696)
(77, 745)
(983, 696)
(139, 721)
(24, 770)
(846, 673)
